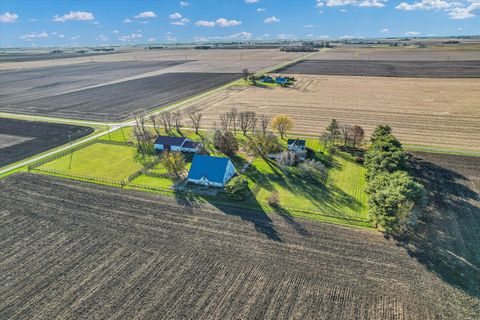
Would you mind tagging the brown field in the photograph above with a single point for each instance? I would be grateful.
(198, 60)
(434, 112)
(401, 53)
(74, 250)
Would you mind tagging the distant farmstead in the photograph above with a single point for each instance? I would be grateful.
(211, 171)
(180, 144)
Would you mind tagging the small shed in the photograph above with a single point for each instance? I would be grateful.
(180, 144)
(210, 171)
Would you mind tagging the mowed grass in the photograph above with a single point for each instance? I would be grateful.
(99, 160)
(338, 193)
(154, 182)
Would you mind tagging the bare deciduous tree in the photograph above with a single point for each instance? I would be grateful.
(195, 117)
(346, 130)
(177, 117)
(247, 119)
(264, 121)
(166, 118)
(233, 115)
(155, 123)
(224, 121)
(357, 134)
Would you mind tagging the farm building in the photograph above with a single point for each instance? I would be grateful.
(210, 171)
(176, 144)
(298, 146)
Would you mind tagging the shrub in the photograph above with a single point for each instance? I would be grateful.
(274, 199)
(310, 168)
(286, 159)
(237, 187)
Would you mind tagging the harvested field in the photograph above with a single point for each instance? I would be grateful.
(412, 69)
(71, 249)
(435, 112)
(447, 239)
(118, 101)
(23, 57)
(254, 59)
(30, 84)
(21, 139)
(401, 53)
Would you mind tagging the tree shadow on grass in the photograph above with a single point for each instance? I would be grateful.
(447, 236)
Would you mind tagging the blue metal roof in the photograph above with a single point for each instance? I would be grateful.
(212, 168)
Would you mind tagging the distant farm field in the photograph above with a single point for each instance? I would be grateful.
(21, 139)
(119, 101)
(435, 112)
(414, 69)
(70, 249)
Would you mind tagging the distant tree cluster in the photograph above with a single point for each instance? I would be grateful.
(346, 134)
(393, 194)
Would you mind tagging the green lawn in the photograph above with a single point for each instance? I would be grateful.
(339, 193)
(144, 180)
(98, 160)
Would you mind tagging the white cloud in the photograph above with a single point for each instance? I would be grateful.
(284, 36)
(324, 36)
(371, 3)
(96, 22)
(74, 16)
(464, 13)
(8, 17)
(222, 22)
(43, 34)
(358, 3)
(308, 26)
(261, 9)
(75, 37)
(272, 19)
(412, 33)
(346, 37)
(169, 37)
(180, 22)
(151, 39)
(115, 31)
(251, 1)
(175, 15)
(384, 30)
(241, 35)
(127, 20)
(130, 37)
(203, 23)
(184, 3)
(424, 5)
(146, 15)
(103, 38)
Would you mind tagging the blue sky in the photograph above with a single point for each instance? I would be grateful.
(26, 23)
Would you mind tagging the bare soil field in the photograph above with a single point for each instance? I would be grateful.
(23, 57)
(29, 84)
(254, 59)
(118, 101)
(412, 69)
(447, 239)
(401, 53)
(21, 139)
(435, 112)
(74, 250)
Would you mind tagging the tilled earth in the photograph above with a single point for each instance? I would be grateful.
(413, 69)
(74, 250)
(119, 101)
(21, 139)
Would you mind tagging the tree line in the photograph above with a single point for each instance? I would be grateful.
(394, 197)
